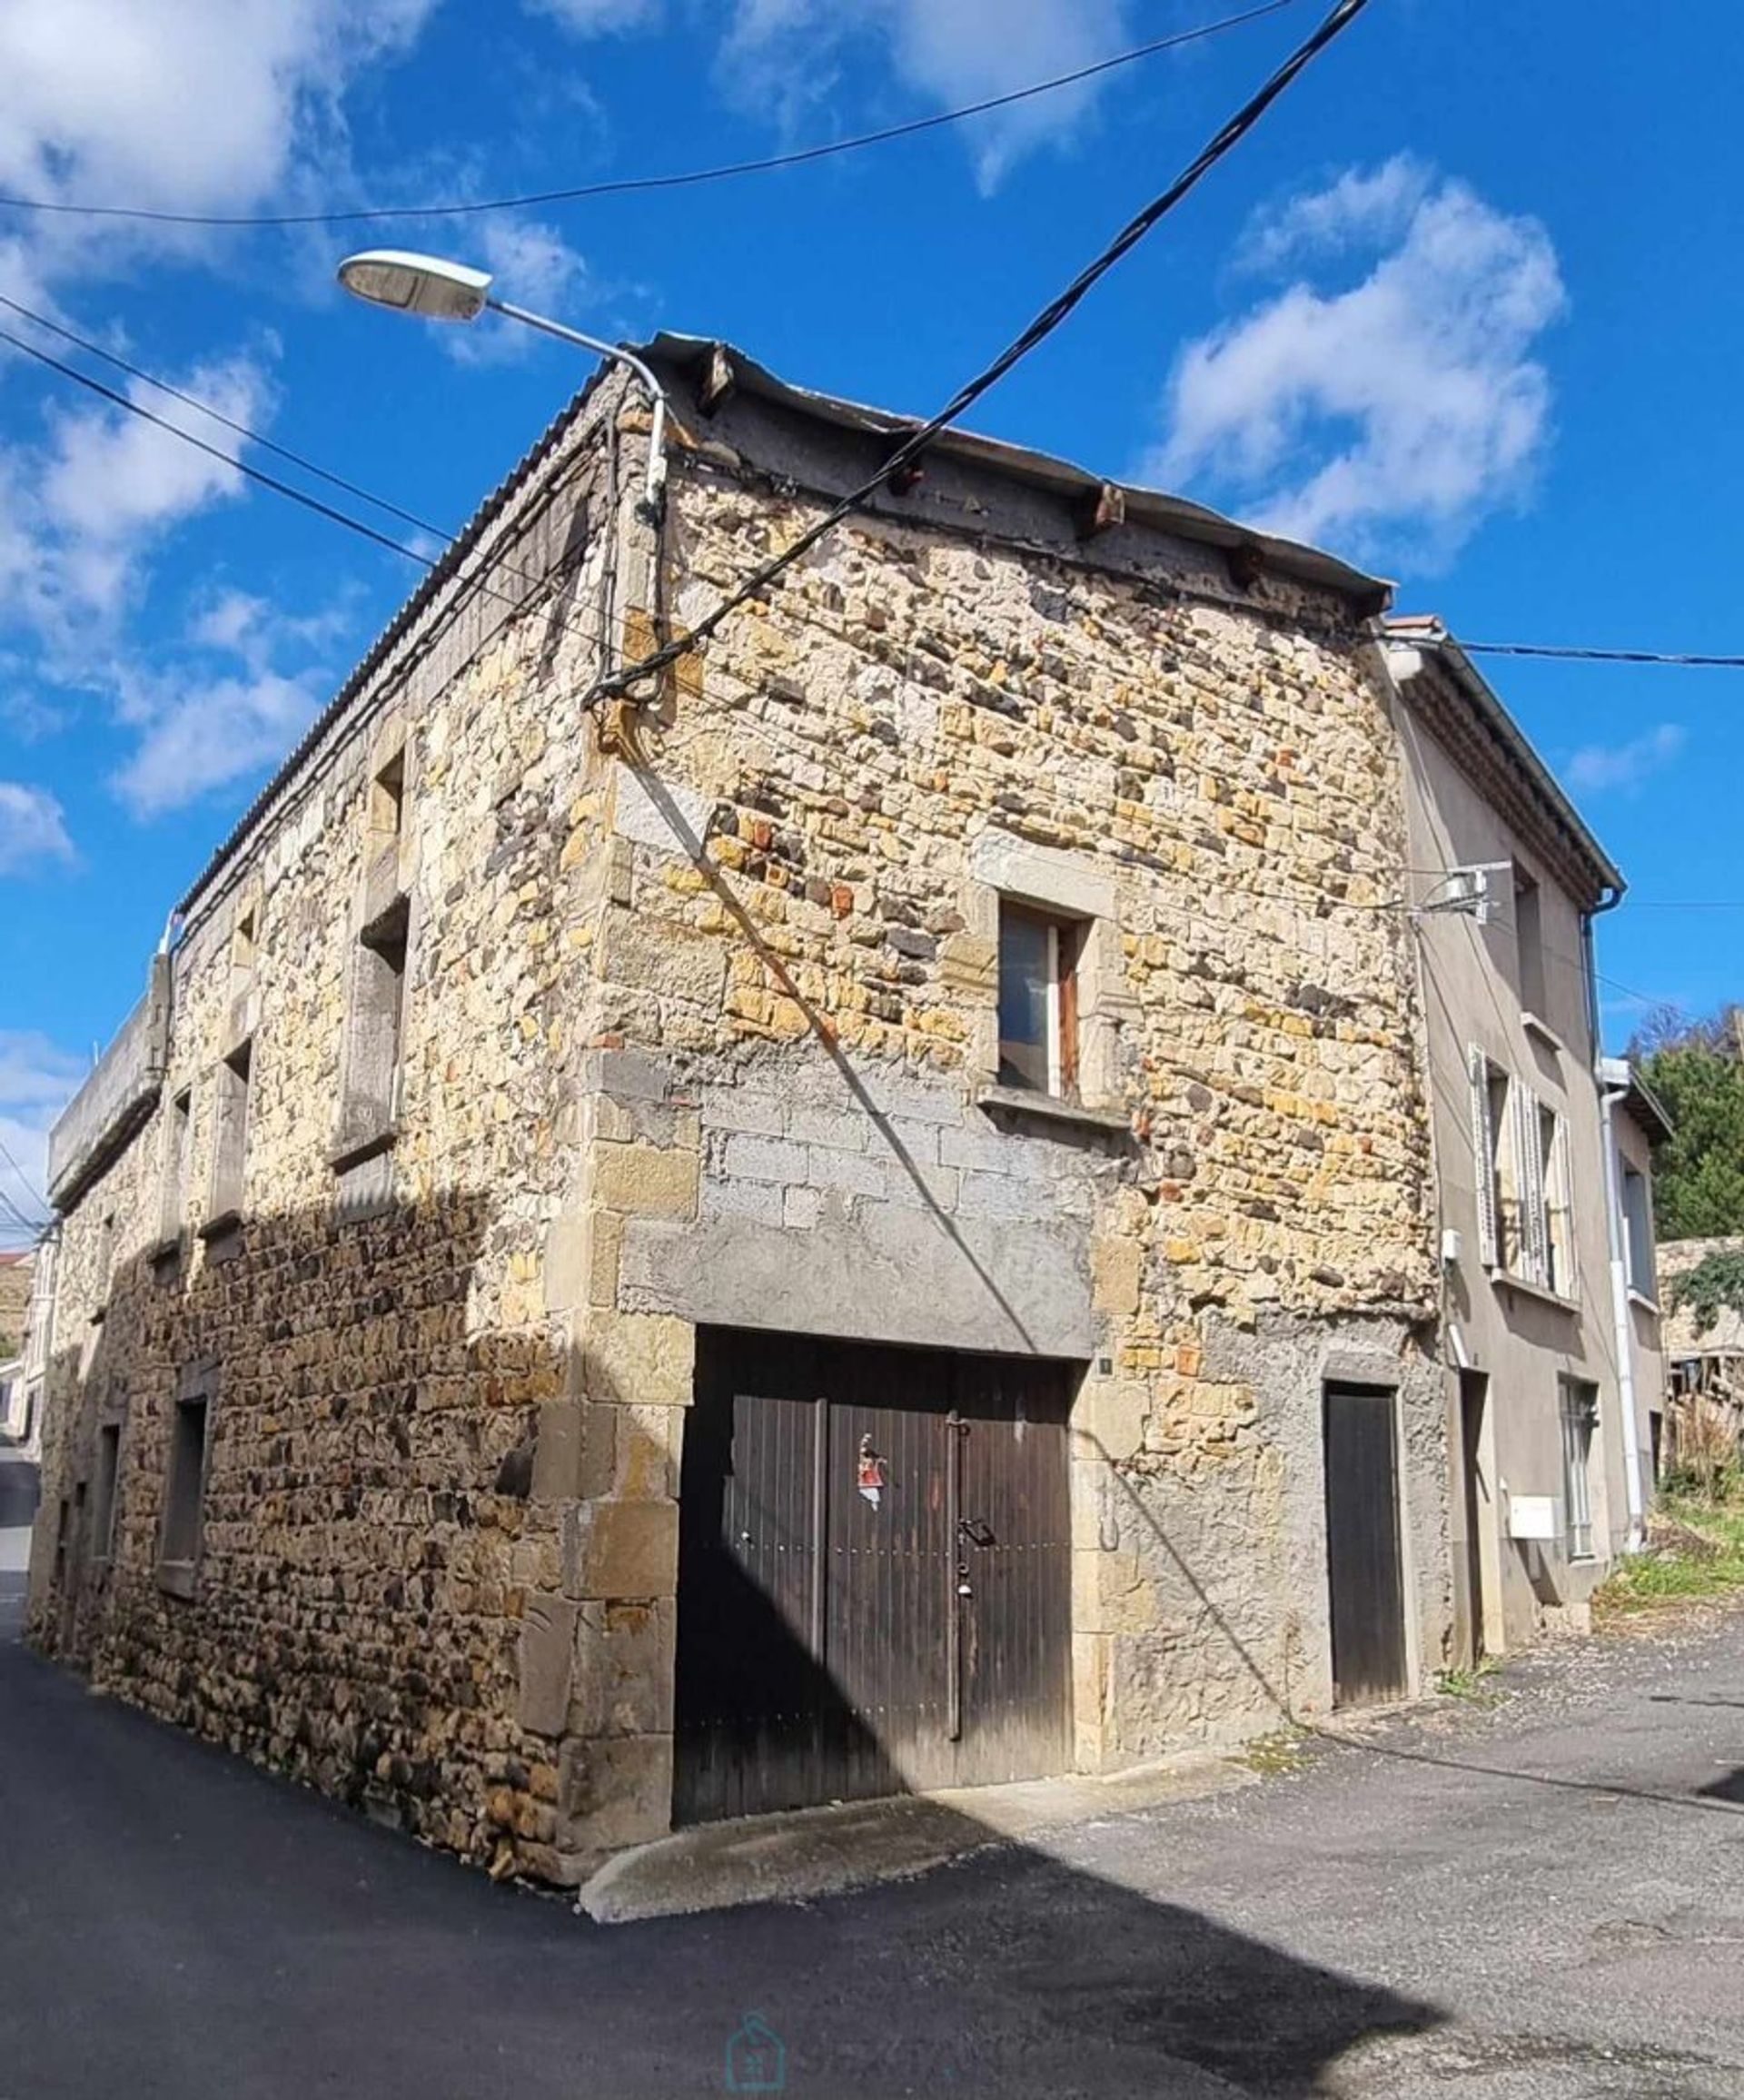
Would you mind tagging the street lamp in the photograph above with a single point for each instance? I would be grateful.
(438, 290)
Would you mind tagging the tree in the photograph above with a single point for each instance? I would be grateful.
(1697, 1068)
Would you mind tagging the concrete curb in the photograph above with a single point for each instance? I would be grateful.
(816, 1852)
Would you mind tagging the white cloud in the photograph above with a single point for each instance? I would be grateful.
(534, 267)
(599, 17)
(236, 703)
(1374, 204)
(195, 738)
(37, 1079)
(80, 511)
(1597, 768)
(33, 828)
(786, 57)
(188, 105)
(1394, 414)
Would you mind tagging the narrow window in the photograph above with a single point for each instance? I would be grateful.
(376, 1029)
(243, 944)
(1528, 943)
(1580, 1414)
(184, 1497)
(178, 1131)
(108, 1473)
(105, 1257)
(231, 1141)
(388, 797)
(1637, 1227)
(1039, 1000)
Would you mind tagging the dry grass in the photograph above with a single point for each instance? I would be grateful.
(1695, 1554)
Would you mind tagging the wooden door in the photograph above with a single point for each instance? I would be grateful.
(1363, 1561)
(874, 1573)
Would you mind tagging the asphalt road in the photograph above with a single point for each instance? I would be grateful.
(1543, 1899)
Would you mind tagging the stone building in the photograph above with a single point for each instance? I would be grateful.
(1543, 1163)
(804, 1235)
(17, 1267)
(1700, 1432)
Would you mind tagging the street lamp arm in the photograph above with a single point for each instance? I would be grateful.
(656, 488)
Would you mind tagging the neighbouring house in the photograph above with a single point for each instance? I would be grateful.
(862, 1222)
(1704, 1362)
(1543, 1156)
(17, 1268)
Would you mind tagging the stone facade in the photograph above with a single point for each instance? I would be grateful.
(699, 1026)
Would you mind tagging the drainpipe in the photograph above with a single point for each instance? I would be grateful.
(1611, 1075)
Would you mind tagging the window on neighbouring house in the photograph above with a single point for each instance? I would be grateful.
(230, 1140)
(1039, 1000)
(1524, 1190)
(1496, 1177)
(1528, 943)
(1638, 1229)
(102, 1526)
(184, 1491)
(1580, 1417)
(1554, 1199)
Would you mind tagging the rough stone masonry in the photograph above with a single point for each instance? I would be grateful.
(507, 1043)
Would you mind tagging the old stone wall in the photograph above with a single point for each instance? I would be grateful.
(370, 1327)
(700, 1027)
(795, 1122)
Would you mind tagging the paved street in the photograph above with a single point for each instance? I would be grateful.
(1544, 1898)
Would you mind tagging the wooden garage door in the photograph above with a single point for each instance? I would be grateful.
(874, 1573)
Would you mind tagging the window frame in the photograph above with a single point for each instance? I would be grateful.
(181, 1541)
(1529, 980)
(1065, 935)
(231, 1125)
(1578, 1417)
(107, 1503)
(1523, 1176)
(1640, 1251)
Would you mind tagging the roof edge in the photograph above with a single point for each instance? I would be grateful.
(1427, 632)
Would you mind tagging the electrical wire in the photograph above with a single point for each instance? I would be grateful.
(24, 1180)
(1057, 311)
(568, 625)
(229, 422)
(624, 185)
(1569, 653)
(294, 495)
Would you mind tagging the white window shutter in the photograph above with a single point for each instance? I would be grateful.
(1529, 1173)
(1484, 1155)
(1564, 1200)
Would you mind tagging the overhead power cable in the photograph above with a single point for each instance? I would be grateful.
(24, 1180)
(294, 495)
(229, 423)
(624, 185)
(1569, 653)
(1056, 311)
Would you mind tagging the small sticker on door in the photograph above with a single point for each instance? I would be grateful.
(871, 1478)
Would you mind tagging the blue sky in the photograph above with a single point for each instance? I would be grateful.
(1465, 308)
